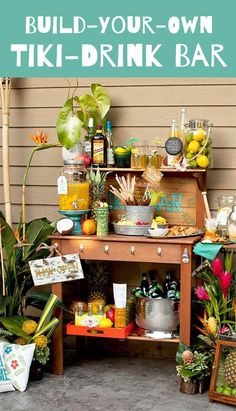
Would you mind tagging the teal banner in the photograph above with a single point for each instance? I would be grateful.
(125, 38)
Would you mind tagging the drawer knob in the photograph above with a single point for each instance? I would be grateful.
(159, 251)
(81, 248)
(132, 250)
(106, 249)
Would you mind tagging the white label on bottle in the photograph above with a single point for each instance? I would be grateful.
(87, 147)
(222, 217)
(62, 185)
(110, 157)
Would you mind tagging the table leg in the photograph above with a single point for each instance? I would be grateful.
(57, 339)
(185, 295)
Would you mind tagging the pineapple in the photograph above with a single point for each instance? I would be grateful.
(212, 325)
(188, 357)
(97, 186)
(230, 369)
(97, 278)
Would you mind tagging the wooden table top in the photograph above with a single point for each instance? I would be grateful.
(133, 239)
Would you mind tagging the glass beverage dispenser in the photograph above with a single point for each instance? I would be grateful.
(75, 193)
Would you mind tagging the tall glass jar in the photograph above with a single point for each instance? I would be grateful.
(232, 225)
(75, 187)
(198, 144)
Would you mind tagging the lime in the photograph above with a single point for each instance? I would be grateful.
(209, 143)
(192, 164)
(189, 137)
(199, 135)
(234, 391)
(193, 146)
(189, 156)
(202, 161)
(227, 392)
(120, 150)
(219, 390)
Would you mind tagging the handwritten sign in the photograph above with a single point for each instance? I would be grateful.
(56, 269)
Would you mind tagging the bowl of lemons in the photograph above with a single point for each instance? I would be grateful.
(122, 156)
(159, 227)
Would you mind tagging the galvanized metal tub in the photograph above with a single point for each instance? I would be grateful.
(139, 213)
(131, 229)
(157, 315)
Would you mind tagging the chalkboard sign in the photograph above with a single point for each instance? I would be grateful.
(173, 146)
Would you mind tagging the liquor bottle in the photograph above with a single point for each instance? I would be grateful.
(99, 149)
(144, 285)
(174, 146)
(183, 125)
(88, 137)
(167, 282)
(110, 154)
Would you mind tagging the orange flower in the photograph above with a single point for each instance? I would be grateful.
(40, 137)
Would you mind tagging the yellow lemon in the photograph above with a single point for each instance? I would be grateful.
(105, 323)
(120, 150)
(199, 135)
(202, 161)
(193, 146)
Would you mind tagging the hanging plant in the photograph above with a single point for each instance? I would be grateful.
(76, 111)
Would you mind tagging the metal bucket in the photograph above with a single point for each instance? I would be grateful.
(157, 315)
(139, 213)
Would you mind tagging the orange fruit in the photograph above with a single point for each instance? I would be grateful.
(89, 227)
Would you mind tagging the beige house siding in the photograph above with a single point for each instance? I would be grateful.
(142, 108)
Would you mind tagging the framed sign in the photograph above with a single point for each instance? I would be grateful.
(56, 269)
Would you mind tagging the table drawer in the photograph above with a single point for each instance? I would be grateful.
(123, 251)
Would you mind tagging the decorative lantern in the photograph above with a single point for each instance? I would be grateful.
(223, 379)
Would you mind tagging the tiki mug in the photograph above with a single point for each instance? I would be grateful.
(102, 221)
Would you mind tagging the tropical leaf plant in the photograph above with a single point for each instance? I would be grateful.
(18, 276)
(76, 111)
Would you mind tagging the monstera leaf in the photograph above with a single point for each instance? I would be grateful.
(88, 107)
(69, 125)
(101, 98)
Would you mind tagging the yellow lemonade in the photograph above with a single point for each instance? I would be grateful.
(77, 197)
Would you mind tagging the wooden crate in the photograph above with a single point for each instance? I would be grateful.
(181, 203)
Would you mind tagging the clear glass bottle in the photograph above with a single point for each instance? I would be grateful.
(174, 146)
(88, 137)
(99, 149)
(183, 125)
(232, 225)
(75, 192)
(110, 154)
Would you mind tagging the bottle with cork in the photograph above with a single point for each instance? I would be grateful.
(99, 149)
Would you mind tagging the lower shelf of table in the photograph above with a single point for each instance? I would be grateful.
(134, 336)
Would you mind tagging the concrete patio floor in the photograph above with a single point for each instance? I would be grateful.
(115, 383)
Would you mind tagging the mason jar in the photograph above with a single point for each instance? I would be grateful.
(198, 144)
(73, 187)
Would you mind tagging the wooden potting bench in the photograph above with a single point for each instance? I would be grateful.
(114, 247)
